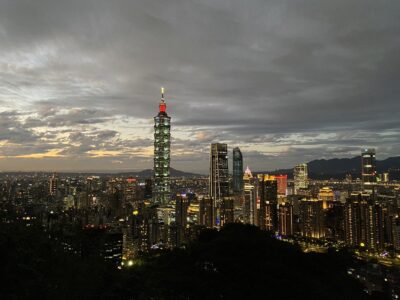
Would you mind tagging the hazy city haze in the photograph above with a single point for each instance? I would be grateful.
(286, 81)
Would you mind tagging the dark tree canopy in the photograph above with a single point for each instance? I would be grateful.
(238, 262)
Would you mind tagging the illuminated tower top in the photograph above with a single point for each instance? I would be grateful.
(248, 172)
(163, 105)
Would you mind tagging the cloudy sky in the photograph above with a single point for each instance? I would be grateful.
(286, 81)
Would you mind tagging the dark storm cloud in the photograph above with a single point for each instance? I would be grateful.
(52, 117)
(319, 78)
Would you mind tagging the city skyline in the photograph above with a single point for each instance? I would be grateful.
(186, 149)
(285, 82)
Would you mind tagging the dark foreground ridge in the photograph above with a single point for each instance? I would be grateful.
(238, 262)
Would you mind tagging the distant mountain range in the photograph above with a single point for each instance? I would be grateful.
(317, 169)
(149, 173)
(339, 167)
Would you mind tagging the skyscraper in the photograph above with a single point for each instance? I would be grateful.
(237, 171)
(282, 184)
(53, 185)
(300, 174)
(130, 191)
(206, 212)
(268, 193)
(218, 180)
(181, 213)
(364, 221)
(312, 218)
(395, 232)
(226, 211)
(250, 198)
(368, 166)
(285, 219)
(162, 141)
(181, 207)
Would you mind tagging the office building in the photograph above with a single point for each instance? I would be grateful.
(129, 252)
(282, 184)
(148, 188)
(327, 196)
(300, 174)
(227, 211)
(250, 198)
(181, 214)
(368, 166)
(268, 193)
(130, 190)
(181, 210)
(206, 212)
(237, 179)
(218, 178)
(162, 141)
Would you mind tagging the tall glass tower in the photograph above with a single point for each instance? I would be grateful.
(219, 181)
(250, 198)
(219, 178)
(237, 171)
(300, 175)
(162, 143)
(368, 166)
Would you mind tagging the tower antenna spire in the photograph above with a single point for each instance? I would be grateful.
(162, 94)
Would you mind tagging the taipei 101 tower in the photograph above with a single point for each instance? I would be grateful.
(162, 142)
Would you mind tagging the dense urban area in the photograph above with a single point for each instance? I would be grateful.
(124, 218)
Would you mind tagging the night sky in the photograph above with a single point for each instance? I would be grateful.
(286, 81)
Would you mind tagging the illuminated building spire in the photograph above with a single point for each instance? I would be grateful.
(248, 172)
(163, 106)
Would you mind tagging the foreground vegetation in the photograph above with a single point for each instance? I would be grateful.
(237, 262)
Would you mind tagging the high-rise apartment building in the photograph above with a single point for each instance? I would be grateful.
(218, 178)
(312, 218)
(285, 219)
(395, 232)
(237, 179)
(334, 221)
(364, 221)
(368, 166)
(162, 142)
(300, 174)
